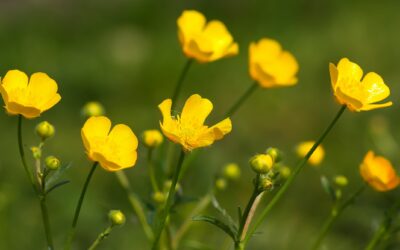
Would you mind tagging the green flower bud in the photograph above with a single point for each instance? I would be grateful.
(285, 171)
(52, 163)
(275, 154)
(92, 109)
(341, 180)
(261, 163)
(231, 171)
(265, 184)
(158, 197)
(36, 152)
(44, 130)
(221, 184)
(116, 217)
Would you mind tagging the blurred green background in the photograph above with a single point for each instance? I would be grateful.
(125, 54)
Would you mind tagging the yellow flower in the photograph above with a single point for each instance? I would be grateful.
(270, 65)
(318, 155)
(378, 172)
(113, 150)
(152, 138)
(188, 129)
(28, 97)
(358, 95)
(205, 42)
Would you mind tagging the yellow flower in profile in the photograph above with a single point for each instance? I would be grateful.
(378, 172)
(270, 65)
(358, 95)
(152, 138)
(113, 150)
(188, 129)
(28, 97)
(318, 155)
(205, 42)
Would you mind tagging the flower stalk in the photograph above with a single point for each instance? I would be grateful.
(101, 237)
(242, 99)
(179, 83)
(291, 178)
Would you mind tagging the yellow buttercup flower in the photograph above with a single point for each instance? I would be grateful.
(358, 95)
(28, 97)
(378, 172)
(113, 150)
(270, 65)
(205, 42)
(318, 155)
(188, 129)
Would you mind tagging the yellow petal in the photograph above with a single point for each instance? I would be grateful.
(95, 128)
(266, 50)
(122, 145)
(333, 74)
(376, 106)
(14, 108)
(207, 136)
(190, 23)
(352, 103)
(43, 91)
(195, 111)
(168, 126)
(222, 128)
(374, 87)
(349, 70)
(14, 79)
(217, 32)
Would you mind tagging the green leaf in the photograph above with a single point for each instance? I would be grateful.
(223, 212)
(216, 222)
(57, 174)
(326, 185)
(57, 185)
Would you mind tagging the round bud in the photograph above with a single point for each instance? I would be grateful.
(152, 138)
(285, 171)
(275, 154)
(341, 180)
(221, 184)
(116, 217)
(231, 171)
(92, 109)
(52, 163)
(265, 184)
(261, 163)
(158, 197)
(44, 130)
(36, 152)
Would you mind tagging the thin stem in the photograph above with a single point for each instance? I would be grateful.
(168, 205)
(46, 222)
(204, 202)
(78, 208)
(179, 83)
(291, 178)
(335, 212)
(376, 239)
(101, 237)
(152, 173)
(22, 155)
(241, 100)
(246, 212)
(250, 215)
(135, 203)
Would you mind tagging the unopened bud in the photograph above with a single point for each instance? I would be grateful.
(36, 152)
(285, 171)
(265, 184)
(116, 217)
(158, 197)
(275, 154)
(152, 138)
(261, 163)
(52, 163)
(221, 184)
(341, 180)
(231, 171)
(45, 130)
(92, 109)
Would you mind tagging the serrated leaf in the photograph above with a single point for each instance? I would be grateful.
(326, 185)
(223, 212)
(57, 174)
(216, 222)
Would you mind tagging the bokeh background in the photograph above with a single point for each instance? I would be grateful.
(125, 54)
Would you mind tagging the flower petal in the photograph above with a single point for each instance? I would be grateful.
(195, 111)
(14, 108)
(42, 91)
(374, 87)
(121, 146)
(95, 129)
(349, 70)
(190, 23)
(14, 79)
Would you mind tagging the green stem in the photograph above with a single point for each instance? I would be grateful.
(29, 174)
(46, 222)
(204, 202)
(152, 173)
(78, 208)
(291, 178)
(241, 100)
(101, 237)
(179, 83)
(168, 205)
(335, 213)
(135, 203)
